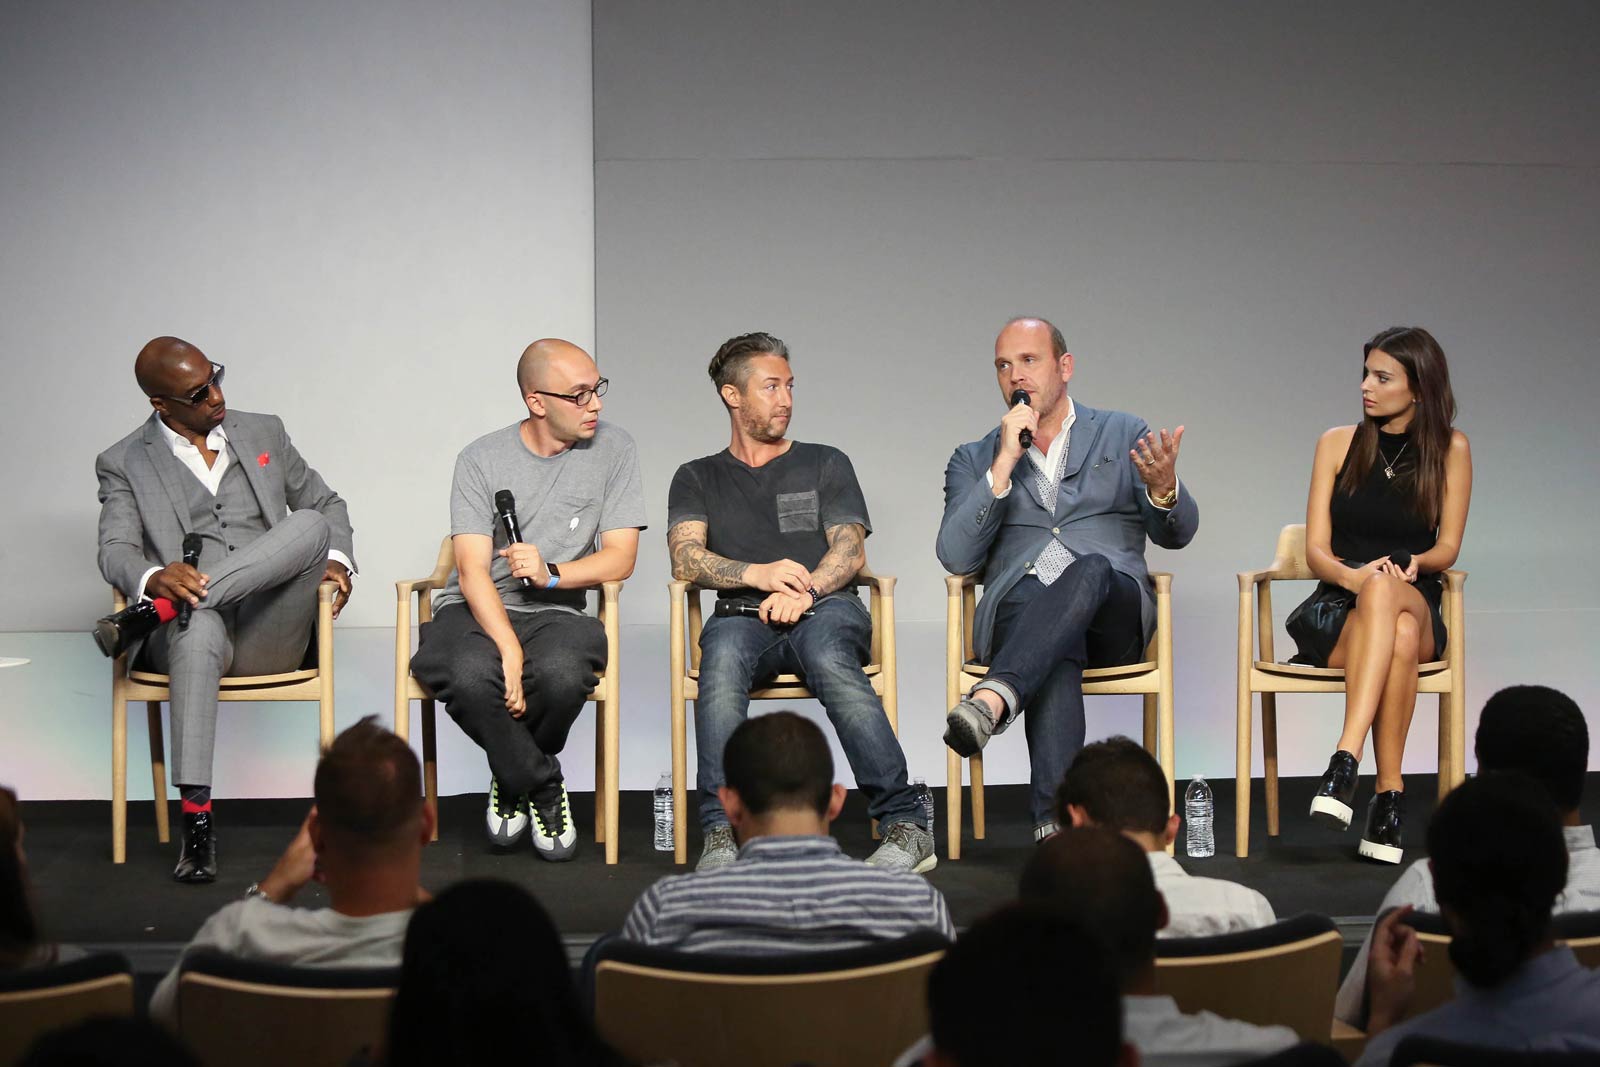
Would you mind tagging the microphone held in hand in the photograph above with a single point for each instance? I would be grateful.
(505, 509)
(1025, 438)
(192, 544)
(727, 609)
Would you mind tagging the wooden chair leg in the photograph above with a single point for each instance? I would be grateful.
(158, 770)
(119, 778)
(1269, 757)
(680, 773)
(952, 805)
(430, 761)
(976, 763)
(600, 765)
(1447, 725)
(613, 722)
(1241, 775)
(1150, 740)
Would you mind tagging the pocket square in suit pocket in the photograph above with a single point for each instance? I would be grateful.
(263, 459)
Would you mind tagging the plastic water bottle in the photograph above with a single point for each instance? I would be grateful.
(924, 798)
(1197, 810)
(663, 840)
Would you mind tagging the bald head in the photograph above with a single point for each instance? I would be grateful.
(165, 363)
(553, 365)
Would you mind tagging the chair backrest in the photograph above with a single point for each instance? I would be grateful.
(1436, 975)
(1244, 975)
(242, 1013)
(37, 1000)
(861, 1006)
(1438, 1052)
(1289, 558)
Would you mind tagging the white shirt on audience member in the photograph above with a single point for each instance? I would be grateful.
(1166, 1037)
(1415, 887)
(1200, 907)
(257, 929)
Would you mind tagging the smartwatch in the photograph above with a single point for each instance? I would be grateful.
(555, 575)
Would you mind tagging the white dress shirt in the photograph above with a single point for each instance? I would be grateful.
(1166, 1037)
(210, 477)
(1050, 462)
(1415, 887)
(1200, 907)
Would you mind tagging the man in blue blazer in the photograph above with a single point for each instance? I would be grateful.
(1052, 509)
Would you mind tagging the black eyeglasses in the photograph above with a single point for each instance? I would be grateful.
(581, 397)
(199, 395)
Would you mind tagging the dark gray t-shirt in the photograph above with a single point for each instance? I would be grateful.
(782, 510)
(564, 503)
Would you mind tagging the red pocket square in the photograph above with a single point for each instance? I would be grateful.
(263, 459)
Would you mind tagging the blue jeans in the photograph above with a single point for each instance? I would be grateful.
(828, 651)
(1044, 637)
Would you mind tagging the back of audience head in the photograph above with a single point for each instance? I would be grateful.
(1019, 987)
(368, 791)
(778, 766)
(1103, 880)
(481, 955)
(1116, 784)
(1499, 862)
(19, 928)
(1540, 732)
(109, 1042)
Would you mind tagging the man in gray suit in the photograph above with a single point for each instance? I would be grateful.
(1052, 509)
(268, 531)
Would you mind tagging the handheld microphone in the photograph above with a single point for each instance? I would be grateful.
(192, 544)
(727, 609)
(1025, 438)
(505, 509)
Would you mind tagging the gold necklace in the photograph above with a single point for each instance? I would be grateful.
(1388, 464)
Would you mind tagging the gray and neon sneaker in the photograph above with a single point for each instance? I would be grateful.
(555, 836)
(507, 816)
(906, 847)
(720, 849)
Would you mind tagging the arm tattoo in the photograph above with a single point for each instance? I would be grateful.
(693, 562)
(846, 556)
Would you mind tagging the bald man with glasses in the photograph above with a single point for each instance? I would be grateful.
(510, 650)
(267, 530)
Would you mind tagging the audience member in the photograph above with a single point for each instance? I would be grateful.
(1539, 732)
(363, 840)
(1098, 877)
(482, 954)
(1499, 861)
(790, 888)
(109, 1042)
(1118, 785)
(21, 943)
(1060, 1000)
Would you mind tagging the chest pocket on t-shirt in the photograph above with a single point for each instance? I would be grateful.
(797, 512)
(574, 519)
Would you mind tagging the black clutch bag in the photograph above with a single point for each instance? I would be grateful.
(1315, 625)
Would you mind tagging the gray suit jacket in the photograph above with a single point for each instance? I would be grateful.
(144, 510)
(1101, 507)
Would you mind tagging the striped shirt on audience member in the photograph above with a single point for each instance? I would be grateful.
(786, 894)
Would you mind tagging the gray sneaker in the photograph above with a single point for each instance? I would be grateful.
(968, 728)
(906, 847)
(720, 849)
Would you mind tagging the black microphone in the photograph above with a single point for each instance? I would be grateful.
(505, 509)
(192, 544)
(728, 608)
(1025, 438)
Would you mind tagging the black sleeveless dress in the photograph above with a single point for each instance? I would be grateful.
(1376, 520)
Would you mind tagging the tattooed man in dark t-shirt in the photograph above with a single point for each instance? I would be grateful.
(779, 526)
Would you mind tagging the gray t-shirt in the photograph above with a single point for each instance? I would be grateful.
(564, 503)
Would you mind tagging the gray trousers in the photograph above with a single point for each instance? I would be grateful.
(256, 618)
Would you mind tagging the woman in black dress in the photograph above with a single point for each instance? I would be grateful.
(1387, 508)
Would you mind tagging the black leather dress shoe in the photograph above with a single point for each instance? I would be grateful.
(1336, 792)
(1382, 839)
(115, 633)
(197, 859)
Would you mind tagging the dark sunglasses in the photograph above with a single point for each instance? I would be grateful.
(581, 397)
(200, 394)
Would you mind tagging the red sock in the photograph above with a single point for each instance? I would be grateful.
(190, 807)
(166, 610)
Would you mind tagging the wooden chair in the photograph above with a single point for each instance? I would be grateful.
(314, 682)
(1246, 975)
(1263, 674)
(684, 604)
(1151, 677)
(1436, 976)
(861, 1006)
(606, 694)
(37, 1000)
(241, 1013)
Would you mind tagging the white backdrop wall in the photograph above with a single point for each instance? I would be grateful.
(1218, 203)
(365, 210)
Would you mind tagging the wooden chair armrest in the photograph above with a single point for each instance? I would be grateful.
(682, 589)
(883, 583)
(326, 591)
(1247, 579)
(954, 583)
(1455, 580)
(1163, 580)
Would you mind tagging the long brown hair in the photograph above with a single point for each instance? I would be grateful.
(1429, 378)
(19, 931)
